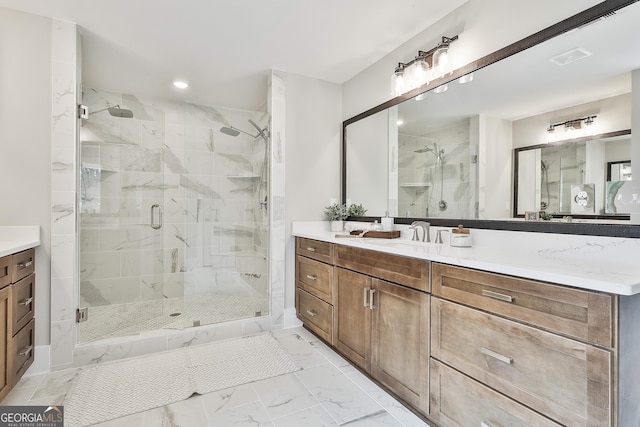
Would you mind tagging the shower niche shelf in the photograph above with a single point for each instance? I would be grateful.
(97, 167)
(243, 176)
(415, 184)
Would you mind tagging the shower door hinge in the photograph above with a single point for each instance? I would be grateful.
(83, 112)
(82, 314)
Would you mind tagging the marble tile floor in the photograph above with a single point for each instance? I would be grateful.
(328, 391)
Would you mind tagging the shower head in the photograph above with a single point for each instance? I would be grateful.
(425, 150)
(230, 130)
(116, 111)
(120, 112)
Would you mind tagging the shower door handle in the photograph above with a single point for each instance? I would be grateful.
(153, 219)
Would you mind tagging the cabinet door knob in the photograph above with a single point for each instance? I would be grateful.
(311, 313)
(310, 249)
(310, 277)
(26, 301)
(25, 350)
(497, 356)
(495, 295)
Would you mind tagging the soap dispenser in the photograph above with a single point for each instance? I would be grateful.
(387, 222)
(461, 237)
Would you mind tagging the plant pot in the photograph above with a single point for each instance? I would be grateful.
(337, 225)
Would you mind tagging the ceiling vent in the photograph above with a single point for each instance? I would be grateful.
(570, 56)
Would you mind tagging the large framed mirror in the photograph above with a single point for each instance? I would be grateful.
(450, 155)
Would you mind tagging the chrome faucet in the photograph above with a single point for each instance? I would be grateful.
(425, 230)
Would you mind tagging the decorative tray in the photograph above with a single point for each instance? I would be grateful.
(377, 234)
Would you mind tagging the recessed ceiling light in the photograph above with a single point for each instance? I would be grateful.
(570, 56)
(180, 84)
(400, 122)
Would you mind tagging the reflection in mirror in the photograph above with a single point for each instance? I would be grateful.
(571, 178)
(452, 157)
(368, 162)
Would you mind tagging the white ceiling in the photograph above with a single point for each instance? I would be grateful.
(225, 48)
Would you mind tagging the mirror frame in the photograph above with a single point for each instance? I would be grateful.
(516, 160)
(573, 22)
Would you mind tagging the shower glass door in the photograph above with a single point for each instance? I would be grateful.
(124, 262)
(173, 215)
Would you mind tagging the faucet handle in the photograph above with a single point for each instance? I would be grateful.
(439, 236)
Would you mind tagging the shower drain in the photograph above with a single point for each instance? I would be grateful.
(174, 314)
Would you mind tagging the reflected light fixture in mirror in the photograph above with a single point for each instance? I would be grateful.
(418, 72)
(441, 89)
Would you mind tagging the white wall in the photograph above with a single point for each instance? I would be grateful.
(484, 26)
(312, 147)
(25, 140)
(635, 129)
(495, 169)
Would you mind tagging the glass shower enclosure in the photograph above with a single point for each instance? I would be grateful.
(173, 215)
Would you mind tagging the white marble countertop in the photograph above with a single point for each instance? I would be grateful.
(14, 239)
(603, 264)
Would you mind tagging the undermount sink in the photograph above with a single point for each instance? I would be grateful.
(404, 244)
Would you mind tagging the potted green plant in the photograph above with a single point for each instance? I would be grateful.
(356, 210)
(336, 214)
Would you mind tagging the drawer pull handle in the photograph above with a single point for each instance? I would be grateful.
(26, 302)
(310, 249)
(484, 424)
(497, 356)
(310, 277)
(25, 350)
(495, 295)
(371, 292)
(25, 264)
(364, 301)
(311, 313)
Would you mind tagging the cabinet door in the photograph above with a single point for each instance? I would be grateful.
(5, 336)
(400, 342)
(352, 316)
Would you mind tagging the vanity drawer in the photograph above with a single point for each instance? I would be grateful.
(23, 264)
(315, 314)
(315, 278)
(5, 271)
(564, 379)
(321, 251)
(411, 272)
(585, 315)
(23, 302)
(457, 400)
(22, 351)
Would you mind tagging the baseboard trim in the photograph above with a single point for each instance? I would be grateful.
(290, 319)
(41, 361)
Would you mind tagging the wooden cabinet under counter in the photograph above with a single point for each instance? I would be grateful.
(384, 329)
(566, 380)
(581, 314)
(16, 317)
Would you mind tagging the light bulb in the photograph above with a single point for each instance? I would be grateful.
(441, 88)
(398, 84)
(441, 61)
(420, 74)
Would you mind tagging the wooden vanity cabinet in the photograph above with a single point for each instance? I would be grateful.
(535, 343)
(314, 286)
(17, 288)
(380, 326)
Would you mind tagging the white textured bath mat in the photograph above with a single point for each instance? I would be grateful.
(113, 390)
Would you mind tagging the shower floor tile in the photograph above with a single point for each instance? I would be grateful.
(292, 400)
(110, 321)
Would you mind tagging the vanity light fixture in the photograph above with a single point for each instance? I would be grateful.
(466, 78)
(574, 128)
(426, 66)
(441, 89)
(180, 84)
(421, 97)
